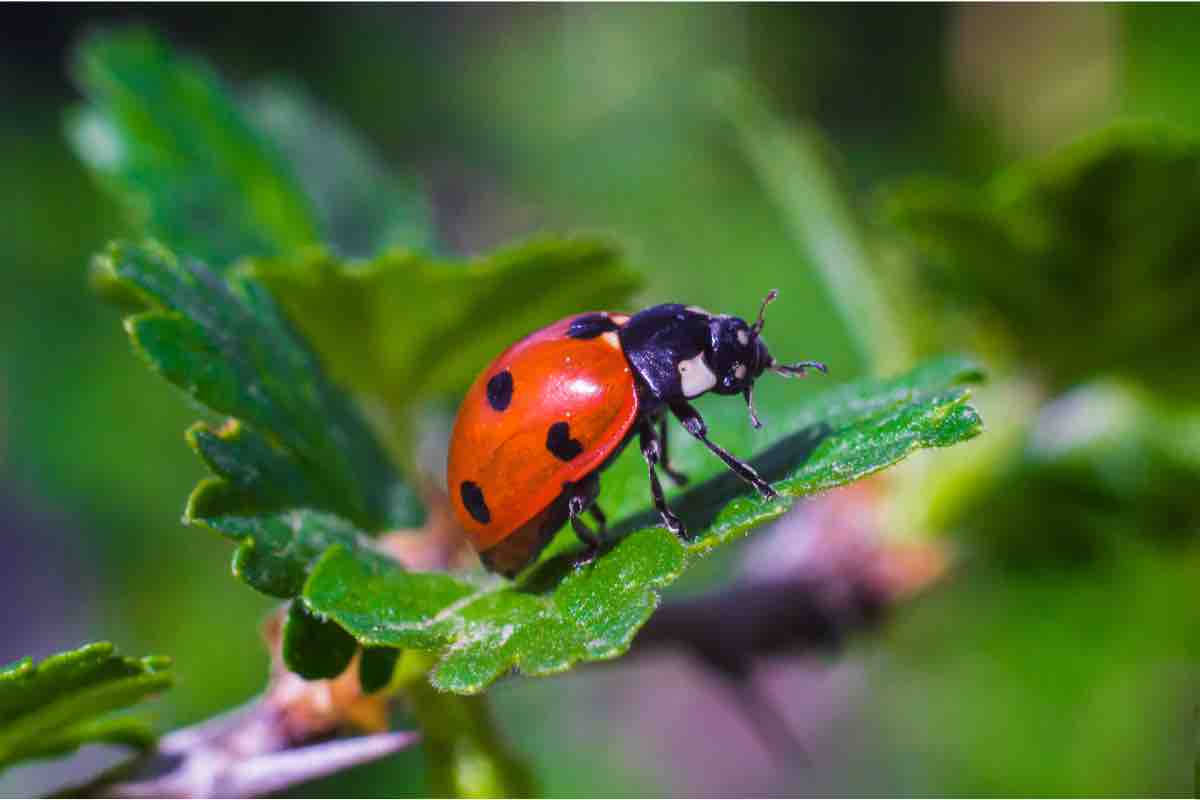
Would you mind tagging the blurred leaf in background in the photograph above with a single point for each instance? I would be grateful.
(363, 206)
(1085, 261)
(168, 139)
(63, 702)
(404, 327)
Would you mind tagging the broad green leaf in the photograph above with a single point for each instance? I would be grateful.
(53, 707)
(296, 442)
(1085, 261)
(404, 326)
(166, 136)
(364, 208)
(559, 614)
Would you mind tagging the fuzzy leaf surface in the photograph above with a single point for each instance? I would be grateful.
(53, 707)
(166, 136)
(296, 450)
(558, 614)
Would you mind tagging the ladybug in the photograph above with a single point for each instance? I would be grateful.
(553, 410)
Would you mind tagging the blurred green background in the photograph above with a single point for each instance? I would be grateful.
(1062, 658)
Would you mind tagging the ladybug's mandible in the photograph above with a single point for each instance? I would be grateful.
(554, 409)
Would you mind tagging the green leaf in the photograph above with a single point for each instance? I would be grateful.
(389, 326)
(376, 666)
(1097, 243)
(315, 648)
(363, 207)
(53, 707)
(560, 614)
(166, 137)
(296, 447)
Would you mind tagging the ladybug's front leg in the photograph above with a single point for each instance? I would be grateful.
(693, 423)
(652, 452)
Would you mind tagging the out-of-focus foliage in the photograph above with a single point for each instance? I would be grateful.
(404, 327)
(1099, 464)
(363, 206)
(170, 142)
(64, 702)
(1086, 262)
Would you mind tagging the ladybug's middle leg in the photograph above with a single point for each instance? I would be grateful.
(693, 423)
(651, 451)
(665, 462)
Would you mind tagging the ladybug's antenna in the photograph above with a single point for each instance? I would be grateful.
(798, 369)
(757, 327)
(749, 395)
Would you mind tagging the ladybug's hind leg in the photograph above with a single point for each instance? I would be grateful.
(600, 517)
(581, 498)
(652, 452)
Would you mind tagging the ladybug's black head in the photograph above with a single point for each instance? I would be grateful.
(737, 355)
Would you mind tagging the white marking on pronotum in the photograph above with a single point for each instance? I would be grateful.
(611, 339)
(695, 378)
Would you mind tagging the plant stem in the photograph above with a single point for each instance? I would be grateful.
(465, 753)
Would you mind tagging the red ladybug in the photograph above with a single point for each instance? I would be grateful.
(554, 409)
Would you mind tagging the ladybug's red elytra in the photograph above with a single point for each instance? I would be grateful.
(553, 410)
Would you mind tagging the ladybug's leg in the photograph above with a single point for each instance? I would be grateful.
(678, 477)
(693, 423)
(576, 508)
(582, 497)
(651, 451)
(601, 519)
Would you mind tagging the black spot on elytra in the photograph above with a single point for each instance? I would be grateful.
(589, 326)
(472, 497)
(560, 443)
(499, 390)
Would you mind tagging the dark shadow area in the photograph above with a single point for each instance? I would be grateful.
(698, 507)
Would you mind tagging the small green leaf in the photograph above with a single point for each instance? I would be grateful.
(315, 648)
(1084, 261)
(558, 614)
(375, 668)
(165, 135)
(403, 326)
(55, 706)
(296, 446)
(364, 208)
